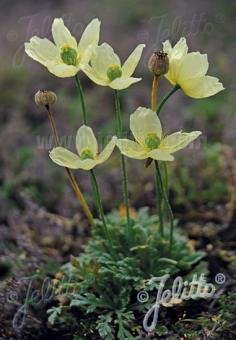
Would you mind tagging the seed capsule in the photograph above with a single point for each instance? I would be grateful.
(158, 63)
(45, 98)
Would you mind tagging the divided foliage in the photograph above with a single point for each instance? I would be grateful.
(97, 292)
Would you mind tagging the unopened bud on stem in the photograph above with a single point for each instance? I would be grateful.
(158, 63)
(45, 98)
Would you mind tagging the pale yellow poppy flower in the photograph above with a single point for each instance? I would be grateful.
(87, 148)
(149, 139)
(105, 67)
(66, 56)
(188, 70)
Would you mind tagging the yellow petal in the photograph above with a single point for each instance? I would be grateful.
(123, 83)
(194, 65)
(143, 122)
(178, 51)
(68, 159)
(87, 164)
(85, 139)
(106, 153)
(172, 74)
(132, 61)
(131, 149)
(175, 56)
(64, 157)
(189, 71)
(62, 70)
(86, 56)
(62, 35)
(41, 50)
(104, 56)
(160, 155)
(167, 48)
(202, 87)
(94, 76)
(90, 35)
(178, 141)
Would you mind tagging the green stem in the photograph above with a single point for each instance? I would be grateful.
(164, 187)
(166, 177)
(119, 130)
(165, 180)
(159, 205)
(72, 179)
(164, 195)
(94, 194)
(177, 87)
(99, 206)
(119, 123)
(81, 95)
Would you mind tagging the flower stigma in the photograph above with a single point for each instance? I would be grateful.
(152, 141)
(86, 154)
(114, 71)
(69, 55)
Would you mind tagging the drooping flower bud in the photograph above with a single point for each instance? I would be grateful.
(45, 98)
(158, 63)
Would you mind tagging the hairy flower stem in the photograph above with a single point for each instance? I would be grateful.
(119, 131)
(81, 95)
(154, 93)
(72, 179)
(164, 195)
(163, 187)
(158, 184)
(166, 181)
(95, 188)
(177, 87)
(159, 205)
(99, 206)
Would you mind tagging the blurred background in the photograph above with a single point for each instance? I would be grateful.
(35, 198)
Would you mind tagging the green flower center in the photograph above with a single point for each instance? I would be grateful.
(114, 71)
(86, 154)
(69, 55)
(152, 141)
